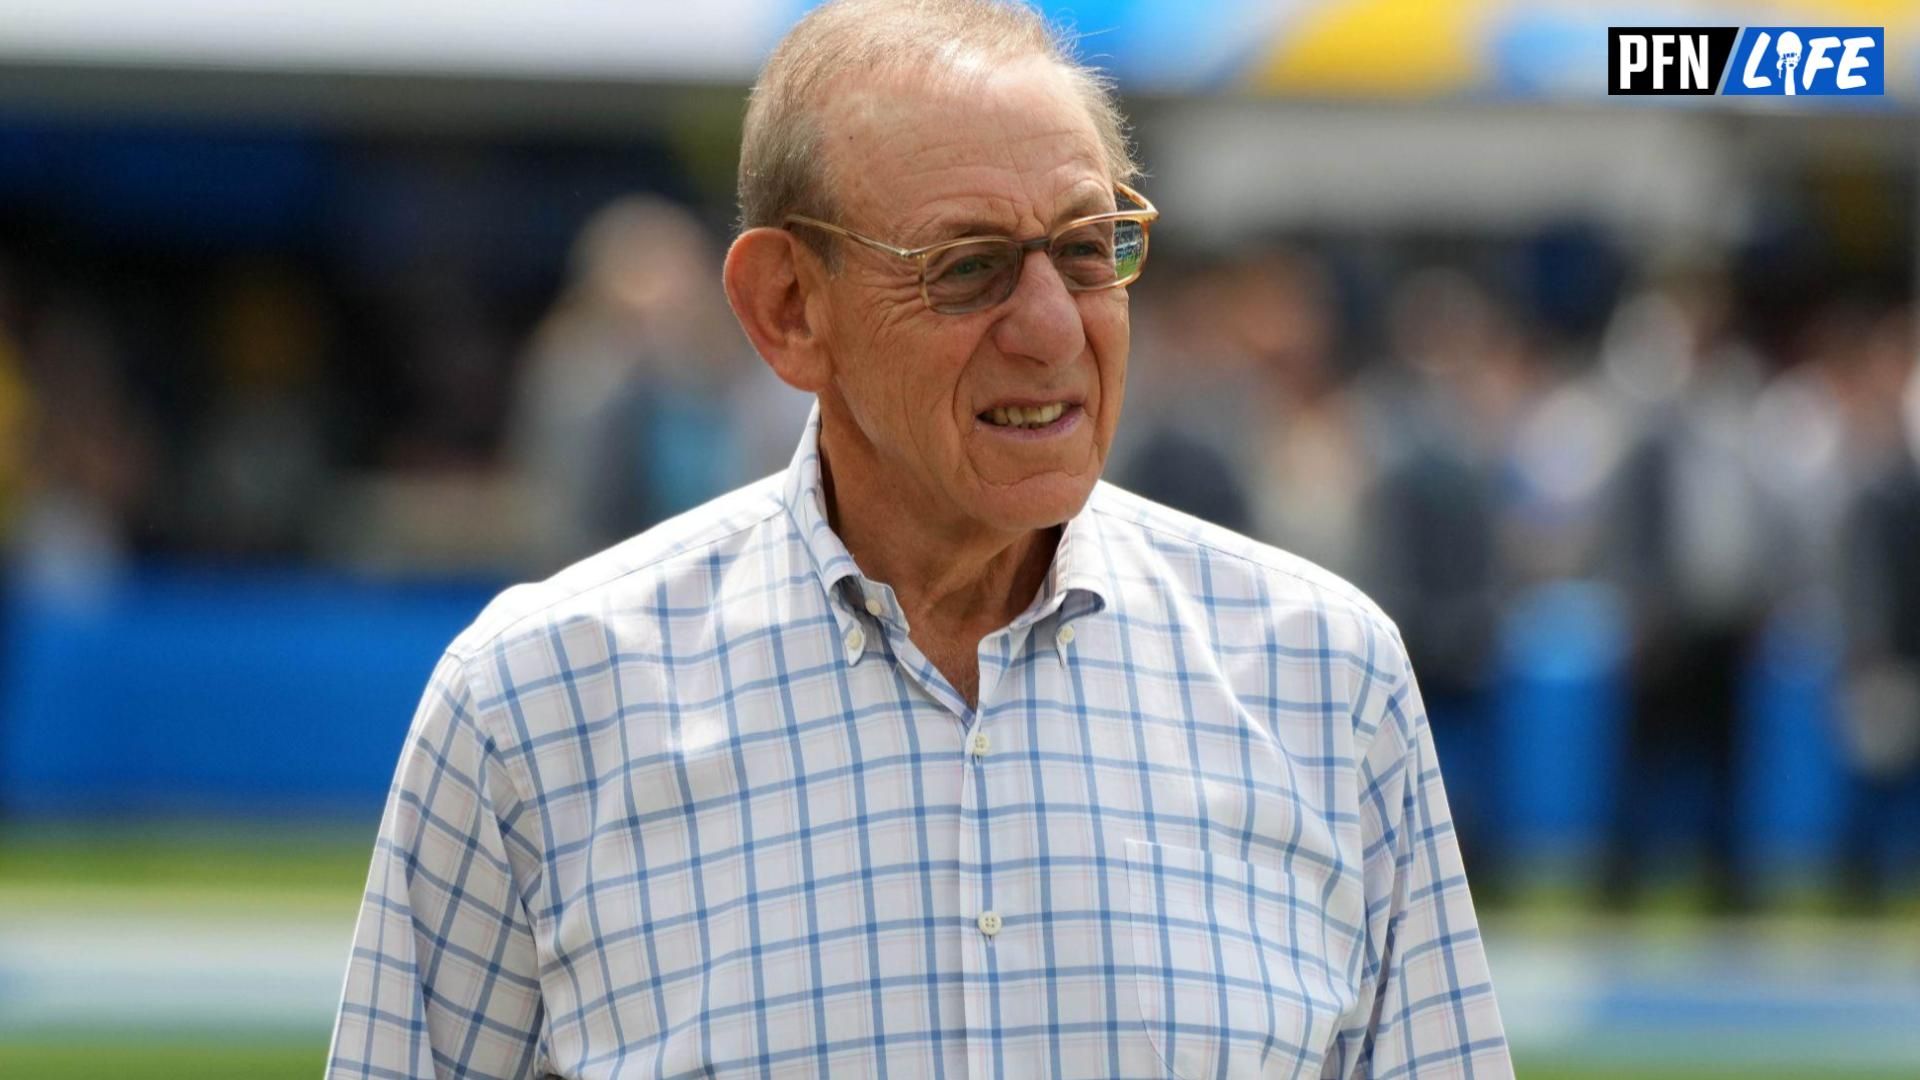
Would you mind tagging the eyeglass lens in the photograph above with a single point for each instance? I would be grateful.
(971, 276)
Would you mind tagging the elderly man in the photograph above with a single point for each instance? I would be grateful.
(933, 756)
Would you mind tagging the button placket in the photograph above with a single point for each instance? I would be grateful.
(975, 894)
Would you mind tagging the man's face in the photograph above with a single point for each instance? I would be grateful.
(914, 393)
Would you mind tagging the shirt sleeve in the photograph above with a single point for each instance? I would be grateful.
(1426, 1005)
(443, 979)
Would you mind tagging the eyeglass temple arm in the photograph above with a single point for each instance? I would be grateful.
(904, 253)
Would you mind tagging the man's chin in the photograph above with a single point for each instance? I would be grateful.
(1038, 503)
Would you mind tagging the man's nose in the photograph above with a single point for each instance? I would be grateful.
(1043, 319)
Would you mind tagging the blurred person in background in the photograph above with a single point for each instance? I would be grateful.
(95, 462)
(16, 418)
(624, 414)
(933, 753)
(1187, 446)
(1570, 435)
(1689, 553)
(450, 352)
(1820, 429)
(16, 406)
(1313, 467)
(1881, 699)
(260, 453)
(1442, 413)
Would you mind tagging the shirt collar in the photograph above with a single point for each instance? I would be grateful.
(1075, 585)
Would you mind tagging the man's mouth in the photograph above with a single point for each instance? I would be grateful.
(1024, 416)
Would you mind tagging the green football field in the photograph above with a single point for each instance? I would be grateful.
(216, 953)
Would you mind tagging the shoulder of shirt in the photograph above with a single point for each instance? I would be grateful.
(688, 536)
(1293, 581)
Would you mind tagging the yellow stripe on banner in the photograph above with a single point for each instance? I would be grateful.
(1385, 47)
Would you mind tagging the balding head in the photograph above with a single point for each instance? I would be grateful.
(957, 126)
(783, 167)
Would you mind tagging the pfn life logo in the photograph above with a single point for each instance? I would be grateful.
(1821, 61)
(1788, 61)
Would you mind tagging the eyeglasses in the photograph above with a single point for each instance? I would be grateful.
(1102, 251)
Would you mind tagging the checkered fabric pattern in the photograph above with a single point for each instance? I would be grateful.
(698, 806)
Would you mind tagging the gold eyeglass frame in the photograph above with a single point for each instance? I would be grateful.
(1145, 215)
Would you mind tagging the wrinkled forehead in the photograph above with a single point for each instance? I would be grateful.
(981, 148)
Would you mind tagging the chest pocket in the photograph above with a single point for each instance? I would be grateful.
(1238, 971)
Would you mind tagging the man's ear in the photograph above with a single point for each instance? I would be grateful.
(773, 294)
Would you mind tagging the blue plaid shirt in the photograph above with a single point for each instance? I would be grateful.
(699, 806)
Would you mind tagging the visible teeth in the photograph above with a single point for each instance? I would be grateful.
(1026, 416)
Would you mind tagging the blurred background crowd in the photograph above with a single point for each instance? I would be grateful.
(1718, 443)
(1614, 407)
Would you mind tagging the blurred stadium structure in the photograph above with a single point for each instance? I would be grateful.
(320, 324)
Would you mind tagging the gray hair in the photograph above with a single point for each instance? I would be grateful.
(781, 163)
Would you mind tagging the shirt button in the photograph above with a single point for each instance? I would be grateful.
(873, 607)
(988, 922)
(978, 744)
(856, 640)
(1064, 636)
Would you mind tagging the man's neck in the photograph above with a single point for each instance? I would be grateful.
(956, 583)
